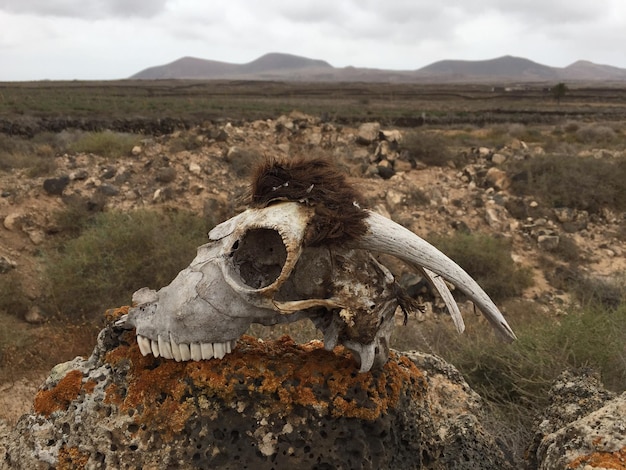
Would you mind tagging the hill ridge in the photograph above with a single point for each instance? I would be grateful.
(290, 67)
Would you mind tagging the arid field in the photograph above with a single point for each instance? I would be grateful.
(107, 187)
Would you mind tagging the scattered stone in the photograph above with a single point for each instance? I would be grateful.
(402, 165)
(392, 136)
(284, 122)
(384, 152)
(497, 179)
(314, 139)
(163, 194)
(548, 242)
(194, 168)
(36, 236)
(394, 199)
(218, 135)
(13, 221)
(368, 132)
(35, 315)
(124, 175)
(564, 214)
(108, 172)
(517, 144)
(79, 175)
(166, 174)
(385, 171)
(108, 190)
(55, 186)
(136, 151)
(492, 218)
(6, 265)
(484, 151)
(498, 159)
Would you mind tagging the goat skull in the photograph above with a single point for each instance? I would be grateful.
(257, 269)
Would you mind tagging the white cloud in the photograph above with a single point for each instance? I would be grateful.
(116, 38)
(90, 9)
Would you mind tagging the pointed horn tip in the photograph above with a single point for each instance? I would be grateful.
(511, 337)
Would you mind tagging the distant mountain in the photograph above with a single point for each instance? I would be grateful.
(188, 67)
(281, 65)
(274, 61)
(585, 70)
(502, 68)
(287, 67)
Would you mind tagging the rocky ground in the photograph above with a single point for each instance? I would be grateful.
(205, 170)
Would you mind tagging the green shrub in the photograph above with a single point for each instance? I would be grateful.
(107, 144)
(13, 300)
(117, 254)
(488, 260)
(609, 293)
(426, 147)
(523, 371)
(243, 159)
(35, 155)
(579, 183)
(596, 134)
(515, 378)
(523, 132)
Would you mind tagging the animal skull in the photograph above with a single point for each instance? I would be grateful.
(257, 269)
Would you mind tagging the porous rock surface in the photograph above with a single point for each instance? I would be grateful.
(584, 428)
(266, 405)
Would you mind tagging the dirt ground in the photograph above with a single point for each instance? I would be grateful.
(206, 174)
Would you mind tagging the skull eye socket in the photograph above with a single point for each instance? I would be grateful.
(259, 257)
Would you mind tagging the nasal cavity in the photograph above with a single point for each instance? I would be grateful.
(259, 257)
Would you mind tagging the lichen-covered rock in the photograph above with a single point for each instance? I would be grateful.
(266, 405)
(583, 428)
(596, 441)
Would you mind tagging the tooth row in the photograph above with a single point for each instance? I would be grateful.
(183, 351)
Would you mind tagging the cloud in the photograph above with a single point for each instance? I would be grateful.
(87, 9)
(116, 38)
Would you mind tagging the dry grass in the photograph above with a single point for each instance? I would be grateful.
(488, 260)
(514, 379)
(116, 254)
(568, 181)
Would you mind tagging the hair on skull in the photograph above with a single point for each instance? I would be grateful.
(318, 183)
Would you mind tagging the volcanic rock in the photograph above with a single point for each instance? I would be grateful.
(271, 404)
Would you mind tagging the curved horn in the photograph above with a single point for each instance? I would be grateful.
(386, 236)
(440, 286)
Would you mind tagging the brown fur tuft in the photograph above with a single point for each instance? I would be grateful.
(319, 184)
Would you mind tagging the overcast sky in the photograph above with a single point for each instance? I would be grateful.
(112, 39)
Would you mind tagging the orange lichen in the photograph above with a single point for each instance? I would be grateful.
(278, 375)
(89, 386)
(613, 460)
(72, 458)
(114, 314)
(60, 396)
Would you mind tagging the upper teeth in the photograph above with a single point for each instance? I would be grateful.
(183, 351)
